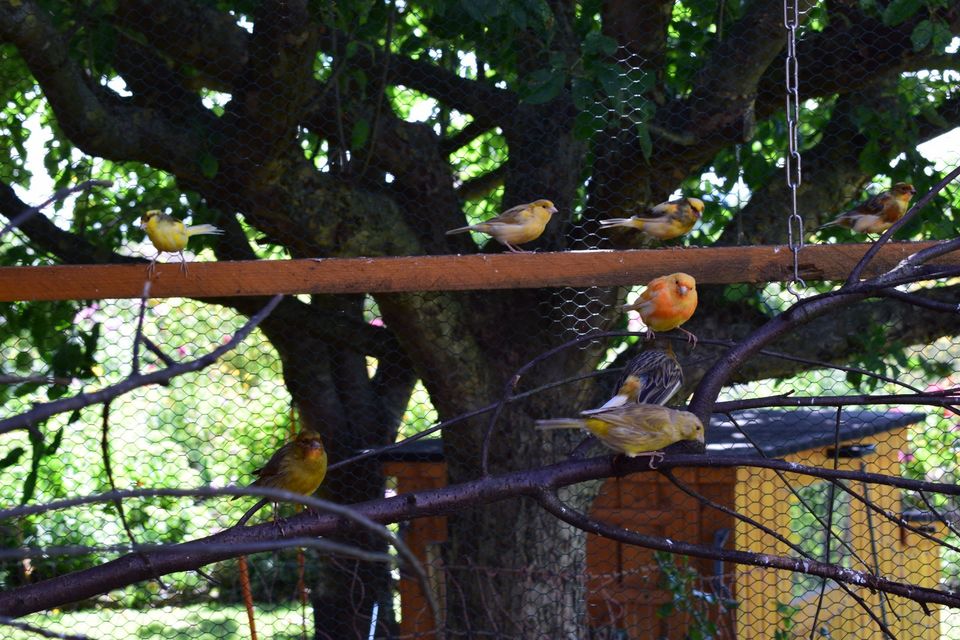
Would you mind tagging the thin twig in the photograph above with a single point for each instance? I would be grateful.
(45, 410)
(138, 336)
(40, 631)
(60, 195)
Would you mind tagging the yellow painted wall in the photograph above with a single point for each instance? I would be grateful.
(901, 555)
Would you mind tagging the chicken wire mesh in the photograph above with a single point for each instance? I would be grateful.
(315, 130)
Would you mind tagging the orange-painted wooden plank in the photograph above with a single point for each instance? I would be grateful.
(716, 265)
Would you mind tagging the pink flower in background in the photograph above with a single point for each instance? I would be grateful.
(226, 339)
(635, 323)
(377, 322)
(903, 456)
(182, 351)
(86, 313)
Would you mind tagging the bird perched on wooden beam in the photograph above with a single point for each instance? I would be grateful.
(665, 221)
(169, 234)
(517, 225)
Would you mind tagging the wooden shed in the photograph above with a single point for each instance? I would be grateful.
(624, 582)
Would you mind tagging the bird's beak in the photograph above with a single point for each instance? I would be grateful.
(683, 290)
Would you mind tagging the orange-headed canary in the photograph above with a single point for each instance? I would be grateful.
(651, 377)
(667, 302)
(298, 466)
(665, 221)
(877, 214)
(634, 429)
(169, 234)
(522, 223)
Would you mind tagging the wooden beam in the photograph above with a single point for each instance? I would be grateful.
(714, 265)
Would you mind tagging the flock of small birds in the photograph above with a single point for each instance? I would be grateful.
(634, 421)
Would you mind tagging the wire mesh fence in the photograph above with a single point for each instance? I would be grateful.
(822, 500)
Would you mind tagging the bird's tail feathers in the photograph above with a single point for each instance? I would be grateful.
(559, 423)
(460, 230)
(615, 222)
(616, 401)
(204, 230)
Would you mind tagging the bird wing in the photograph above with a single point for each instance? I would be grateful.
(515, 215)
(659, 373)
(874, 205)
(664, 209)
(274, 464)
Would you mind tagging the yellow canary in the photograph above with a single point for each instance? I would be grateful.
(652, 377)
(298, 466)
(877, 214)
(522, 223)
(667, 302)
(634, 429)
(169, 234)
(665, 221)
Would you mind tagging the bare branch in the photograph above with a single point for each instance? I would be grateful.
(534, 482)
(45, 410)
(59, 196)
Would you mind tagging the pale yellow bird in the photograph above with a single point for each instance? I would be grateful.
(169, 234)
(634, 429)
(877, 214)
(519, 224)
(665, 221)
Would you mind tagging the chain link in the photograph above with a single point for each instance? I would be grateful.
(791, 19)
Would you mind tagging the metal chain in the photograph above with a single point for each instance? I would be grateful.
(791, 19)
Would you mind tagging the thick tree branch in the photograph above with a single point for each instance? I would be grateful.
(193, 34)
(192, 555)
(94, 117)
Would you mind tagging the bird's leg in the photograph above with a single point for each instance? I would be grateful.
(514, 249)
(278, 520)
(152, 267)
(655, 458)
(650, 334)
(690, 337)
(183, 264)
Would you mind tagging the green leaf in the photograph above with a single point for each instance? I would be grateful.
(545, 85)
(899, 10)
(53, 446)
(30, 484)
(922, 34)
(13, 456)
(360, 133)
(209, 165)
(481, 10)
(942, 37)
(643, 137)
(582, 91)
(596, 43)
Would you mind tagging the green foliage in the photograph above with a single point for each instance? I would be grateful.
(689, 599)
(819, 500)
(785, 626)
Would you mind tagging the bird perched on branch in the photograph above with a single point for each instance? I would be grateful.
(666, 303)
(169, 234)
(651, 377)
(634, 429)
(665, 221)
(298, 466)
(877, 214)
(519, 224)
